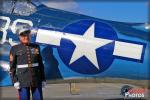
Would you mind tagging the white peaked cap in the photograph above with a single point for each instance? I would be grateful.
(22, 29)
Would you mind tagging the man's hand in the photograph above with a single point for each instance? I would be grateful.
(17, 85)
(43, 84)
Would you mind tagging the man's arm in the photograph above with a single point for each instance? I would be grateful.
(13, 65)
(41, 65)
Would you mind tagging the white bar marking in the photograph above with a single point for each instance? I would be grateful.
(128, 50)
(49, 37)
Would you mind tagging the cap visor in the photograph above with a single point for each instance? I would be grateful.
(25, 33)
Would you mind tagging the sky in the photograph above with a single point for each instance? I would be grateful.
(125, 11)
(117, 11)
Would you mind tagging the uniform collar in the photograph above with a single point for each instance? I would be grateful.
(25, 44)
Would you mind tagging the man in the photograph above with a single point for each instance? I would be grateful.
(26, 67)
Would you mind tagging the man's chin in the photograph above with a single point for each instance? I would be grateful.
(25, 42)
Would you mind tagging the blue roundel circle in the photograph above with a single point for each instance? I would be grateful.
(80, 55)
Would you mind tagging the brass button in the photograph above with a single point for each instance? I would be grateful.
(28, 53)
(27, 48)
(30, 65)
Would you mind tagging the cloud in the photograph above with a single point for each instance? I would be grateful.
(68, 5)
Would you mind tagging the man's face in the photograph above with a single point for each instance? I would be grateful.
(24, 39)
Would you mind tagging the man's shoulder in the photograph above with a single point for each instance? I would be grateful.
(15, 46)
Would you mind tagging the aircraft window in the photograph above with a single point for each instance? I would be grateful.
(24, 8)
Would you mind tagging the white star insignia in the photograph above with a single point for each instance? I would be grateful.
(86, 45)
